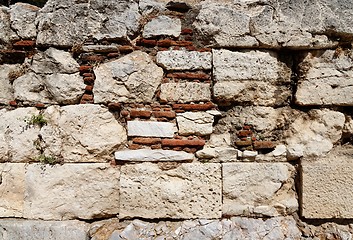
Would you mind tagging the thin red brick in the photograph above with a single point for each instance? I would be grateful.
(85, 68)
(126, 49)
(182, 43)
(39, 105)
(190, 107)
(89, 89)
(93, 58)
(13, 103)
(156, 146)
(140, 113)
(183, 142)
(25, 44)
(134, 147)
(243, 143)
(114, 107)
(146, 141)
(202, 76)
(165, 43)
(88, 80)
(263, 145)
(186, 31)
(87, 97)
(113, 55)
(244, 133)
(88, 75)
(147, 42)
(124, 113)
(166, 114)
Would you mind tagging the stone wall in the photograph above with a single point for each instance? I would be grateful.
(150, 119)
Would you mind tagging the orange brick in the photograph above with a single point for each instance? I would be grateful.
(183, 142)
(166, 114)
(146, 141)
(140, 113)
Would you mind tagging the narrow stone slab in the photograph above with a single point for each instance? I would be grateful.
(199, 123)
(184, 60)
(162, 26)
(71, 191)
(185, 92)
(15, 229)
(190, 190)
(327, 185)
(261, 189)
(148, 155)
(150, 129)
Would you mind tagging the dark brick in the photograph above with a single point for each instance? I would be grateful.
(243, 143)
(191, 107)
(115, 107)
(162, 114)
(263, 145)
(140, 113)
(183, 142)
(146, 141)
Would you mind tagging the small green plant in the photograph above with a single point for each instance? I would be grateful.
(48, 159)
(36, 120)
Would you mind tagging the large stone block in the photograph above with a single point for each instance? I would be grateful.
(327, 185)
(16, 229)
(148, 155)
(185, 92)
(81, 133)
(6, 89)
(162, 26)
(260, 189)
(6, 33)
(12, 190)
(151, 129)
(251, 76)
(326, 79)
(184, 60)
(190, 190)
(71, 191)
(132, 78)
(198, 123)
(23, 17)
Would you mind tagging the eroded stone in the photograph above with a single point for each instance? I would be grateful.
(198, 123)
(185, 92)
(184, 60)
(151, 129)
(162, 26)
(148, 155)
(6, 91)
(23, 17)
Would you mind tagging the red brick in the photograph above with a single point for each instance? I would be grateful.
(114, 107)
(39, 105)
(191, 48)
(12, 56)
(88, 80)
(113, 55)
(147, 42)
(243, 143)
(140, 113)
(25, 44)
(89, 89)
(156, 146)
(263, 145)
(244, 133)
(126, 49)
(190, 107)
(247, 127)
(166, 114)
(85, 69)
(124, 113)
(93, 58)
(13, 103)
(134, 147)
(179, 111)
(205, 50)
(186, 31)
(88, 75)
(202, 76)
(165, 43)
(182, 43)
(162, 119)
(177, 148)
(87, 97)
(183, 142)
(146, 141)
(190, 150)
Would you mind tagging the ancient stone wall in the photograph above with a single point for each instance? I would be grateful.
(150, 119)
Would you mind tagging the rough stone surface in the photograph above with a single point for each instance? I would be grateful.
(23, 17)
(190, 190)
(66, 23)
(315, 133)
(185, 92)
(81, 133)
(103, 230)
(327, 185)
(198, 123)
(162, 26)
(217, 154)
(12, 190)
(147, 155)
(17, 136)
(150, 129)
(71, 191)
(6, 90)
(184, 60)
(260, 189)
(132, 78)
(14, 229)
(274, 24)
(252, 76)
(6, 33)
(326, 79)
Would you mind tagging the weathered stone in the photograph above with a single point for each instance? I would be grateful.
(149, 6)
(190, 190)
(66, 23)
(133, 78)
(51, 88)
(12, 190)
(185, 92)
(253, 76)
(6, 33)
(218, 154)
(198, 123)
(327, 185)
(151, 129)
(18, 229)
(316, 132)
(249, 155)
(18, 136)
(295, 151)
(7, 72)
(81, 133)
(162, 26)
(326, 79)
(102, 230)
(184, 60)
(147, 155)
(54, 61)
(263, 189)
(100, 48)
(71, 191)
(23, 17)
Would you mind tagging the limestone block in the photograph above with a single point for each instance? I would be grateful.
(327, 185)
(185, 92)
(184, 60)
(150, 129)
(23, 17)
(252, 76)
(6, 90)
(198, 123)
(71, 191)
(133, 78)
(100, 48)
(12, 190)
(6, 33)
(162, 26)
(148, 155)
(217, 154)
(190, 190)
(17, 136)
(66, 23)
(81, 133)
(326, 79)
(17, 229)
(260, 189)
(315, 133)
